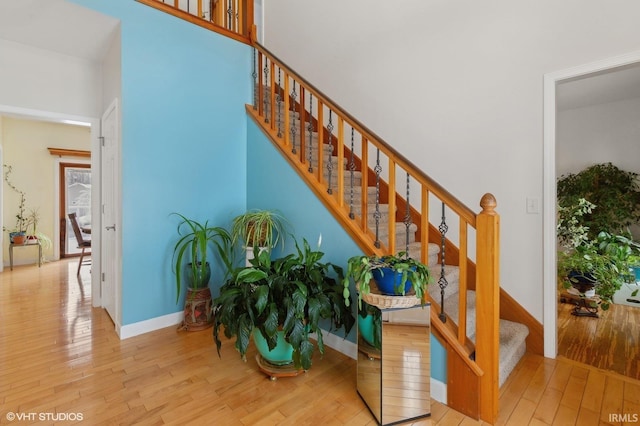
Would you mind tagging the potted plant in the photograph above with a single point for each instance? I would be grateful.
(193, 245)
(282, 300)
(602, 264)
(394, 275)
(17, 235)
(616, 192)
(259, 228)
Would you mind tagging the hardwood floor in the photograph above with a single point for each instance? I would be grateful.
(61, 357)
(610, 342)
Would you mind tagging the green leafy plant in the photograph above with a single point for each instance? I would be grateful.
(292, 293)
(194, 241)
(361, 269)
(260, 228)
(22, 219)
(616, 193)
(604, 261)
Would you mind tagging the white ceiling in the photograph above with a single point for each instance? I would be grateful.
(608, 86)
(57, 25)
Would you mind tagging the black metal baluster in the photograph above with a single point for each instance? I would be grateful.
(352, 168)
(278, 105)
(294, 130)
(329, 160)
(229, 15)
(442, 281)
(254, 74)
(376, 213)
(310, 130)
(407, 219)
(266, 102)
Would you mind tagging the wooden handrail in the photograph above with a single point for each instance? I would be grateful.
(460, 208)
(217, 20)
(483, 278)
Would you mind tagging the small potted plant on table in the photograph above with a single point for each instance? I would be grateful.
(397, 275)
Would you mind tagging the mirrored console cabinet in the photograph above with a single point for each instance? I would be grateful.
(393, 367)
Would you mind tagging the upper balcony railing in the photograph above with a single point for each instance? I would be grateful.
(233, 18)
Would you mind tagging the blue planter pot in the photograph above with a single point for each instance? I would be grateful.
(636, 272)
(282, 354)
(389, 282)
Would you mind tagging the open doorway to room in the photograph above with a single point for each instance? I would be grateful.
(592, 116)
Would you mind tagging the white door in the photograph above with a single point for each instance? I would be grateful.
(109, 181)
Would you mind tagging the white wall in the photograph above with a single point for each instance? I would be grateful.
(458, 88)
(57, 83)
(608, 132)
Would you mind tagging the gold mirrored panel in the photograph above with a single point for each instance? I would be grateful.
(394, 369)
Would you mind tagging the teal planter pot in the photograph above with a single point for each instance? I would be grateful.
(365, 327)
(282, 354)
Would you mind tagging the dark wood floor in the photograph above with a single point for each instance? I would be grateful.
(610, 342)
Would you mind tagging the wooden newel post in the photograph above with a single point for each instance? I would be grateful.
(488, 305)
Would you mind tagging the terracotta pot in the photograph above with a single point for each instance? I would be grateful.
(197, 309)
(18, 239)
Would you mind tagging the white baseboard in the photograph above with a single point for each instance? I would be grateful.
(152, 324)
(439, 391)
(340, 344)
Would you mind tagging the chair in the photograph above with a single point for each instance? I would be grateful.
(82, 243)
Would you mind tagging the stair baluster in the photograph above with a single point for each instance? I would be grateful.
(442, 281)
(376, 213)
(352, 169)
(294, 97)
(407, 218)
(279, 105)
(310, 130)
(329, 162)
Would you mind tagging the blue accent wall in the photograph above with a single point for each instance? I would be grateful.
(273, 184)
(183, 143)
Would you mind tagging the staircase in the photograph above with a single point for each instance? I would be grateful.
(512, 335)
(361, 181)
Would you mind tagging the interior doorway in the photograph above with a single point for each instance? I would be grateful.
(550, 147)
(75, 197)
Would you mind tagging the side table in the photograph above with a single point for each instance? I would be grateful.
(11, 246)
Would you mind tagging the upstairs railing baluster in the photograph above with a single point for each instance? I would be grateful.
(229, 16)
(266, 82)
(254, 74)
(279, 106)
